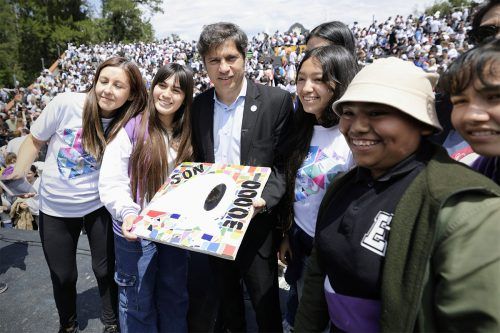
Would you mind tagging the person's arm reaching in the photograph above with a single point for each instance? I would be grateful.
(27, 154)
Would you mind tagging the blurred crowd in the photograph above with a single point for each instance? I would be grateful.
(430, 42)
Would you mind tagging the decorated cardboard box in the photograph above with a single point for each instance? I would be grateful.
(203, 207)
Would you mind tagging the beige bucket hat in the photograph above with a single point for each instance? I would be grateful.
(397, 83)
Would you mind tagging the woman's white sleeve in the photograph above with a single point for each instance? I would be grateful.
(114, 180)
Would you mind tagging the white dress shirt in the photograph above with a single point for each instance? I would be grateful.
(227, 128)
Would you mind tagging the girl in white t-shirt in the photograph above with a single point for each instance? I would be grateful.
(151, 277)
(77, 127)
(319, 151)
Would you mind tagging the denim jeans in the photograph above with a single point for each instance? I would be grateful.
(152, 285)
(301, 245)
(292, 304)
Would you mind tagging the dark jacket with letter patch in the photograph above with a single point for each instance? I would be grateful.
(442, 264)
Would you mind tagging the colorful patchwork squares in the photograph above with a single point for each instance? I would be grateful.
(72, 160)
(178, 213)
(316, 173)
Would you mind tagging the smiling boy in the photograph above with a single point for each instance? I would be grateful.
(407, 240)
(473, 83)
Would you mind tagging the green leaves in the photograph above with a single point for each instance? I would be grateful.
(124, 23)
(34, 29)
(446, 6)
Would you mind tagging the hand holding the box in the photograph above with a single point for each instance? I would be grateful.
(259, 205)
(128, 221)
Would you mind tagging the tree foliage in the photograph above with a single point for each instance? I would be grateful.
(154, 6)
(123, 22)
(445, 7)
(34, 29)
(8, 45)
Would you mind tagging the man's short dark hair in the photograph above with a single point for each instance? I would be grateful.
(214, 35)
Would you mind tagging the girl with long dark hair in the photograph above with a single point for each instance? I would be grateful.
(151, 277)
(318, 150)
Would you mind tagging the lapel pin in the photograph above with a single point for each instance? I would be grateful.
(253, 108)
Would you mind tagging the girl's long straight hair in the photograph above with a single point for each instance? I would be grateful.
(94, 138)
(339, 67)
(149, 158)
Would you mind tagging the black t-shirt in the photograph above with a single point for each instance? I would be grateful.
(352, 235)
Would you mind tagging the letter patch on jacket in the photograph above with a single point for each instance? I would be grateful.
(375, 239)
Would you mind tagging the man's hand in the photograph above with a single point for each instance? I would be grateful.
(258, 205)
(127, 226)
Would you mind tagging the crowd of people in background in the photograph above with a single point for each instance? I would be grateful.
(431, 42)
(355, 101)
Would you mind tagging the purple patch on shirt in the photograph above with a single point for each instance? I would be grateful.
(352, 314)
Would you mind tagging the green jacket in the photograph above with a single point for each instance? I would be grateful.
(442, 266)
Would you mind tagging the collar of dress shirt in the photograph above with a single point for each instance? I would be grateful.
(243, 93)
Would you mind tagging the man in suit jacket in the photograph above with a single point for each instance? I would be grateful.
(239, 122)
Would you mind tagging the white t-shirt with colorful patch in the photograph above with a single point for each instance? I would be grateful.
(328, 155)
(68, 187)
